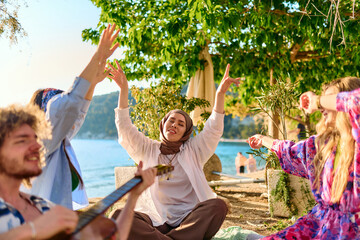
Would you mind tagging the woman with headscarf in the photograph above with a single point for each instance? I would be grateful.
(330, 160)
(61, 181)
(183, 206)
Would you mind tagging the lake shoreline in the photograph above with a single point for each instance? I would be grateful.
(233, 140)
(115, 139)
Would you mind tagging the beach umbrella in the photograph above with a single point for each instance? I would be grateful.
(202, 85)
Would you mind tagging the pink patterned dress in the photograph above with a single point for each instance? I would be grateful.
(326, 220)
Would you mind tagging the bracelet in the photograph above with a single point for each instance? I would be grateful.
(33, 230)
(318, 102)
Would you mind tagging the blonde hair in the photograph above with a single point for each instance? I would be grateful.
(331, 137)
(14, 116)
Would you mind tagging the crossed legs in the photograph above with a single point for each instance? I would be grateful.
(202, 223)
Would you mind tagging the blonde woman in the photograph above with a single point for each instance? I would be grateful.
(330, 160)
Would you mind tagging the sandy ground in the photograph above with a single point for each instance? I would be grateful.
(249, 207)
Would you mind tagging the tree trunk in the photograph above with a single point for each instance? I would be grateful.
(309, 129)
(273, 125)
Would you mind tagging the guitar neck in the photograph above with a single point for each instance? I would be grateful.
(101, 206)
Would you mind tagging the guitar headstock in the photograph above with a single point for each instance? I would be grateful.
(163, 169)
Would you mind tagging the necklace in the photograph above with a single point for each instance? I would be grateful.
(169, 161)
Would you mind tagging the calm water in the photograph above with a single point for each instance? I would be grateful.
(98, 158)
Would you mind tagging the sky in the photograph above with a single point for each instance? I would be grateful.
(53, 53)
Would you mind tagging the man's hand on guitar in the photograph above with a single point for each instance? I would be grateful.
(57, 219)
(148, 177)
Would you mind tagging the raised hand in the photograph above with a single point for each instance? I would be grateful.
(107, 39)
(222, 89)
(95, 71)
(308, 102)
(227, 81)
(255, 141)
(118, 75)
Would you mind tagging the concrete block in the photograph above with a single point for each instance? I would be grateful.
(301, 198)
(123, 174)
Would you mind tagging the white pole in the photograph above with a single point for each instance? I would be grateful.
(234, 182)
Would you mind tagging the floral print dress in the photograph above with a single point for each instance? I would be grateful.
(326, 220)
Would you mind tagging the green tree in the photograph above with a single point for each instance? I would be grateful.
(10, 27)
(309, 40)
(153, 103)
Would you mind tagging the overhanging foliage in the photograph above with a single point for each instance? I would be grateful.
(10, 27)
(164, 39)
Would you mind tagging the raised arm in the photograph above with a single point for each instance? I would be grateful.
(257, 141)
(118, 75)
(294, 157)
(68, 107)
(124, 220)
(205, 143)
(221, 90)
(95, 71)
(131, 139)
(311, 102)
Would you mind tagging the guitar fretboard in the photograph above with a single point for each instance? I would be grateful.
(101, 206)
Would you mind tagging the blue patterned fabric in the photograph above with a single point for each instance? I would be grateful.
(47, 95)
(10, 217)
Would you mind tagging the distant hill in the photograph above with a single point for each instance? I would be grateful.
(100, 121)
